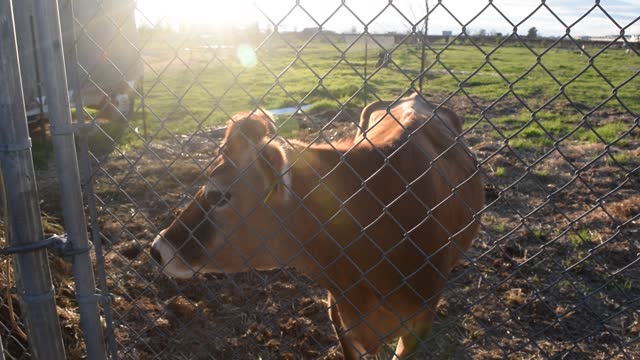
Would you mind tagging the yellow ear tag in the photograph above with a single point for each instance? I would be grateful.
(266, 198)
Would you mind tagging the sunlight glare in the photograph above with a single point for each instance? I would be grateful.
(195, 12)
(246, 56)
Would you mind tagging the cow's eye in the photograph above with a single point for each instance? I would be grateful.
(217, 198)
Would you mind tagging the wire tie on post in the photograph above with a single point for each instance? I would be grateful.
(61, 130)
(92, 299)
(57, 244)
(15, 147)
(69, 251)
(39, 299)
(31, 247)
(74, 128)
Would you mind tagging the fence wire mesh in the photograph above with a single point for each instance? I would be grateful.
(11, 333)
(552, 122)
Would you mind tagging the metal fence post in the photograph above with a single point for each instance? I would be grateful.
(87, 181)
(366, 51)
(423, 56)
(1, 349)
(24, 225)
(43, 130)
(62, 134)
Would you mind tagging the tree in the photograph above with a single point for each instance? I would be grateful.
(533, 33)
(482, 32)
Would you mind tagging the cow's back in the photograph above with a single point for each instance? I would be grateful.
(418, 192)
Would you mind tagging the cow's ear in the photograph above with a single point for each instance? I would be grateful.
(249, 128)
(275, 164)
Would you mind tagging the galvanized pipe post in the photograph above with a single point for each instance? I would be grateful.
(424, 45)
(62, 135)
(1, 349)
(20, 193)
(36, 69)
(366, 56)
(87, 183)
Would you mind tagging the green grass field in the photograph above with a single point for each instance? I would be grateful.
(189, 89)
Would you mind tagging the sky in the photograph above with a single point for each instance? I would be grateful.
(399, 16)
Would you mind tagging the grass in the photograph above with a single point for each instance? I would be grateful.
(528, 131)
(581, 237)
(190, 89)
(324, 104)
(607, 133)
(543, 175)
(571, 71)
(538, 234)
(531, 144)
(620, 158)
(499, 227)
(320, 75)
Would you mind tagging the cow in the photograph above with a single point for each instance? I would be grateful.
(379, 220)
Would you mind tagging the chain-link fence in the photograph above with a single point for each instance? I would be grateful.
(525, 143)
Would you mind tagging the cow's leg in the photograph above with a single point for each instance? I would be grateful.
(408, 343)
(350, 348)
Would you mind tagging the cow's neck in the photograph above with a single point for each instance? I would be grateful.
(316, 203)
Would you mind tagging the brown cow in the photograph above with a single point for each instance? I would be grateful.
(378, 221)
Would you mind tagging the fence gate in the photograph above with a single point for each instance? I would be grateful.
(326, 180)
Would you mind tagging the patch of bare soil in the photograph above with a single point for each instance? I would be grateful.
(554, 273)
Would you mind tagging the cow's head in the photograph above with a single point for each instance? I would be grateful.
(231, 222)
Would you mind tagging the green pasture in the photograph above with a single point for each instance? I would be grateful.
(188, 87)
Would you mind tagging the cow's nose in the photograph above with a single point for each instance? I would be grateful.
(155, 254)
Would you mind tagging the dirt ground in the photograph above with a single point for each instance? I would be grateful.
(554, 273)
